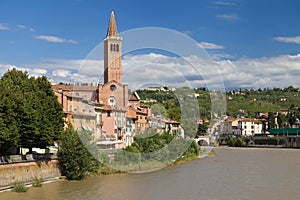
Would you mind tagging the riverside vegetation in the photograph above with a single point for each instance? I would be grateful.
(79, 157)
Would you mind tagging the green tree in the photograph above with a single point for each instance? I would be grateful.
(12, 104)
(294, 116)
(271, 121)
(158, 109)
(30, 115)
(75, 160)
(50, 124)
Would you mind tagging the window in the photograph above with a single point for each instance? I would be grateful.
(108, 114)
(113, 87)
(114, 47)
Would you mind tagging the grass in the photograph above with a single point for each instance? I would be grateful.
(37, 182)
(19, 187)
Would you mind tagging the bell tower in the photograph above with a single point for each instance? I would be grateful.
(112, 53)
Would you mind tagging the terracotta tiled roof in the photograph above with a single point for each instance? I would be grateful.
(107, 108)
(144, 105)
(230, 119)
(131, 113)
(69, 94)
(246, 120)
(171, 122)
(133, 98)
(73, 87)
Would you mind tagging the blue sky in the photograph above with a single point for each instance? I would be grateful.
(237, 34)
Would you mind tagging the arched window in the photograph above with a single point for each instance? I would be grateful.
(117, 48)
(111, 47)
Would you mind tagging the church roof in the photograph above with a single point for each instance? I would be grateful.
(112, 27)
(74, 87)
(133, 98)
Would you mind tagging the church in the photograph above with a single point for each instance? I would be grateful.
(107, 111)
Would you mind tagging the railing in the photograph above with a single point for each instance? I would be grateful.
(26, 158)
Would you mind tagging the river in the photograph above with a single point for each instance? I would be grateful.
(234, 174)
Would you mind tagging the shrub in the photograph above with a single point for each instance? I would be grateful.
(19, 187)
(37, 182)
(237, 142)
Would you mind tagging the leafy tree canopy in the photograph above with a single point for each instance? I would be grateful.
(30, 115)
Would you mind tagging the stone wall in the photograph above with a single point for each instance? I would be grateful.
(26, 172)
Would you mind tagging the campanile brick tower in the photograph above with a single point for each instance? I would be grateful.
(112, 53)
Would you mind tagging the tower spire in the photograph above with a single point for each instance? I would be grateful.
(112, 27)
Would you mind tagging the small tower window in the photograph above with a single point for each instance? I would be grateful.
(114, 47)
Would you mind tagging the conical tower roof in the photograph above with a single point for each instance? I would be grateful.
(112, 27)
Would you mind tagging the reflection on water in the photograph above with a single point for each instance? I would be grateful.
(232, 174)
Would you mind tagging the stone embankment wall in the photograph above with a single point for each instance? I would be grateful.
(15, 169)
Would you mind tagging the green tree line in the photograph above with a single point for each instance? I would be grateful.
(243, 102)
(30, 115)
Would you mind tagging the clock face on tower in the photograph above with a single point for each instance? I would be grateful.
(112, 101)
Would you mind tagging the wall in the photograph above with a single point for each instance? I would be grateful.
(27, 171)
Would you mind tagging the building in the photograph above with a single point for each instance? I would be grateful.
(229, 126)
(100, 109)
(249, 127)
(138, 114)
(79, 108)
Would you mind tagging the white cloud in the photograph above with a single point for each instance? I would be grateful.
(295, 39)
(23, 27)
(225, 3)
(55, 39)
(155, 69)
(229, 17)
(4, 68)
(36, 72)
(4, 27)
(208, 45)
(217, 56)
(62, 73)
(20, 26)
(280, 71)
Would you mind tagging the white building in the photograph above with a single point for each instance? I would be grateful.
(249, 127)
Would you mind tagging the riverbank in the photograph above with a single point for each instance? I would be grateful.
(144, 167)
(32, 170)
(27, 172)
(258, 148)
